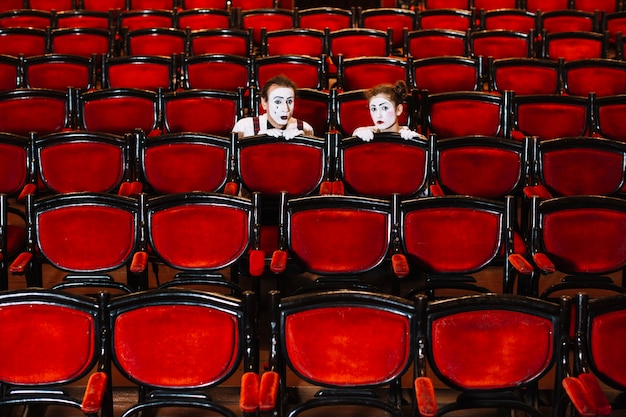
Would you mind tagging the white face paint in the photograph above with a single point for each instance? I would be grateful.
(279, 105)
(384, 113)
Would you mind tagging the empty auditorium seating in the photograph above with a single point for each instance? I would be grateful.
(525, 75)
(199, 19)
(574, 45)
(368, 71)
(314, 106)
(216, 72)
(220, 41)
(383, 18)
(608, 113)
(25, 41)
(269, 18)
(446, 73)
(426, 43)
(83, 41)
(294, 41)
(146, 19)
(149, 72)
(84, 18)
(602, 76)
(518, 20)
(10, 72)
(304, 70)
(320, 18)
(35, 110)
(26, 18)
(154, 41)
(451, 19)
(60, 71)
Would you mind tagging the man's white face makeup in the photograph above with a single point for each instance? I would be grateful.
(384, 113)
(279, 105)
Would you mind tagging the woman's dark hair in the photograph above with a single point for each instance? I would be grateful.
(396, 92)
(279, 80)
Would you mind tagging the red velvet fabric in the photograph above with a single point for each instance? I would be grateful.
(216, 43)
(450, 241)
(358, 45)
(29, 44)
(279, 261)
(444, 77)
(527, 79)
(499, 46)
(575, 48)
(295, 44)
(16, 236)
(119, 115)
(86, 238)
(579, 397)
(157, 44)
(200, 236)
(339, 240)
(462, 117)
(203, 20)
(380, 169)
(425, 395)
(84, 166)
(67, 335)
(452, 21)
(13, 168)
(436, 44)
(585, 240)
(400, 265)
(601, 403)
(552, 120)
(305, 76)
(41, 114)
(491, 349)
(187, 337)
(363, 74)
(603, 80)
(218, 75)
(257, 262)
(265, 19)
(249, 395)
(185, 167)
(94, 393)
(272, 168)
(189, 114)
(583, 171)
(145, 75)
(268, 392)
(139, 262)
(482, 171)
(348, 346)
(59, 75)
(81, 44)
(611, 122)
(606, 349)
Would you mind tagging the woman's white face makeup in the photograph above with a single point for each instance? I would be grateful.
(384, 113)
(279, 105)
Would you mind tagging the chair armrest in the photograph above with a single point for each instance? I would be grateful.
(435, 190)
(256, 259)
(597, 395)
(94, 393)
(537, 190)
(278, 264)
(129, 189)
(544, 263)
(400, 265)
(326, 188)
(249, 397)
(268, 390)
(231, 188)
(29, 188)
(425, 396)
(139, 262)
(579, 397)
(20, 263)
(338, 188)
(520, 264)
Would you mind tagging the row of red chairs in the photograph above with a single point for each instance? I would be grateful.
(531, 5)
(504, 345)
(450, 114)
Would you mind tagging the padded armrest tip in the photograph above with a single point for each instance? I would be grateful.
(139, 263)
(268, 391)
(19, 264)
(257, 262)
(249, 399)
(544, 263)
(425, 395)
(279, 261)
(94, 393)
(400, 265)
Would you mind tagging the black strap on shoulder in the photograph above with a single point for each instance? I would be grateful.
(257, 126)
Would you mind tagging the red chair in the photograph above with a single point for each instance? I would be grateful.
(10, 72)
(135, 19)
(450, 19)
(183, 162)
(80, 161)
(575, 45)
(100, 19)
(368, 71)
(386, 165)
(604, 77)
(580, 238)
(549, 116)
(517, 20)
(200, 19)
(26, 18)
(321, 18)
(449, 239)
(568, 21)
(546, 5)
(23, 41)
(337, 239)
(103, 5)
(315, 107)
(443, 4)
(118, 110)
(383, 18)
(343, 358)
(203, 4)
(154, 41)
(151, 4)
(607, 117)
(84, 236)
(207, 111)
(12, 5)
(222, 327)
(501, 43)
(446, 73)
(294, 41)
(60, 72)
(463, 113)
(36, 110)
(488, 5)
(525, 75)
(216, 72)
(607, 6)
(351, 110)
(220, 41)
(253, 4)
(17, 173)
(270, 19)
(355, 42)
(200, 234)
(151, 72)
(50, 5)
(614, 22)
(517, 340)
(581, 165)
(597, 361)
(83, 41)
(425, 43)
(305, 71)
(71, 326)
(481, 166)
